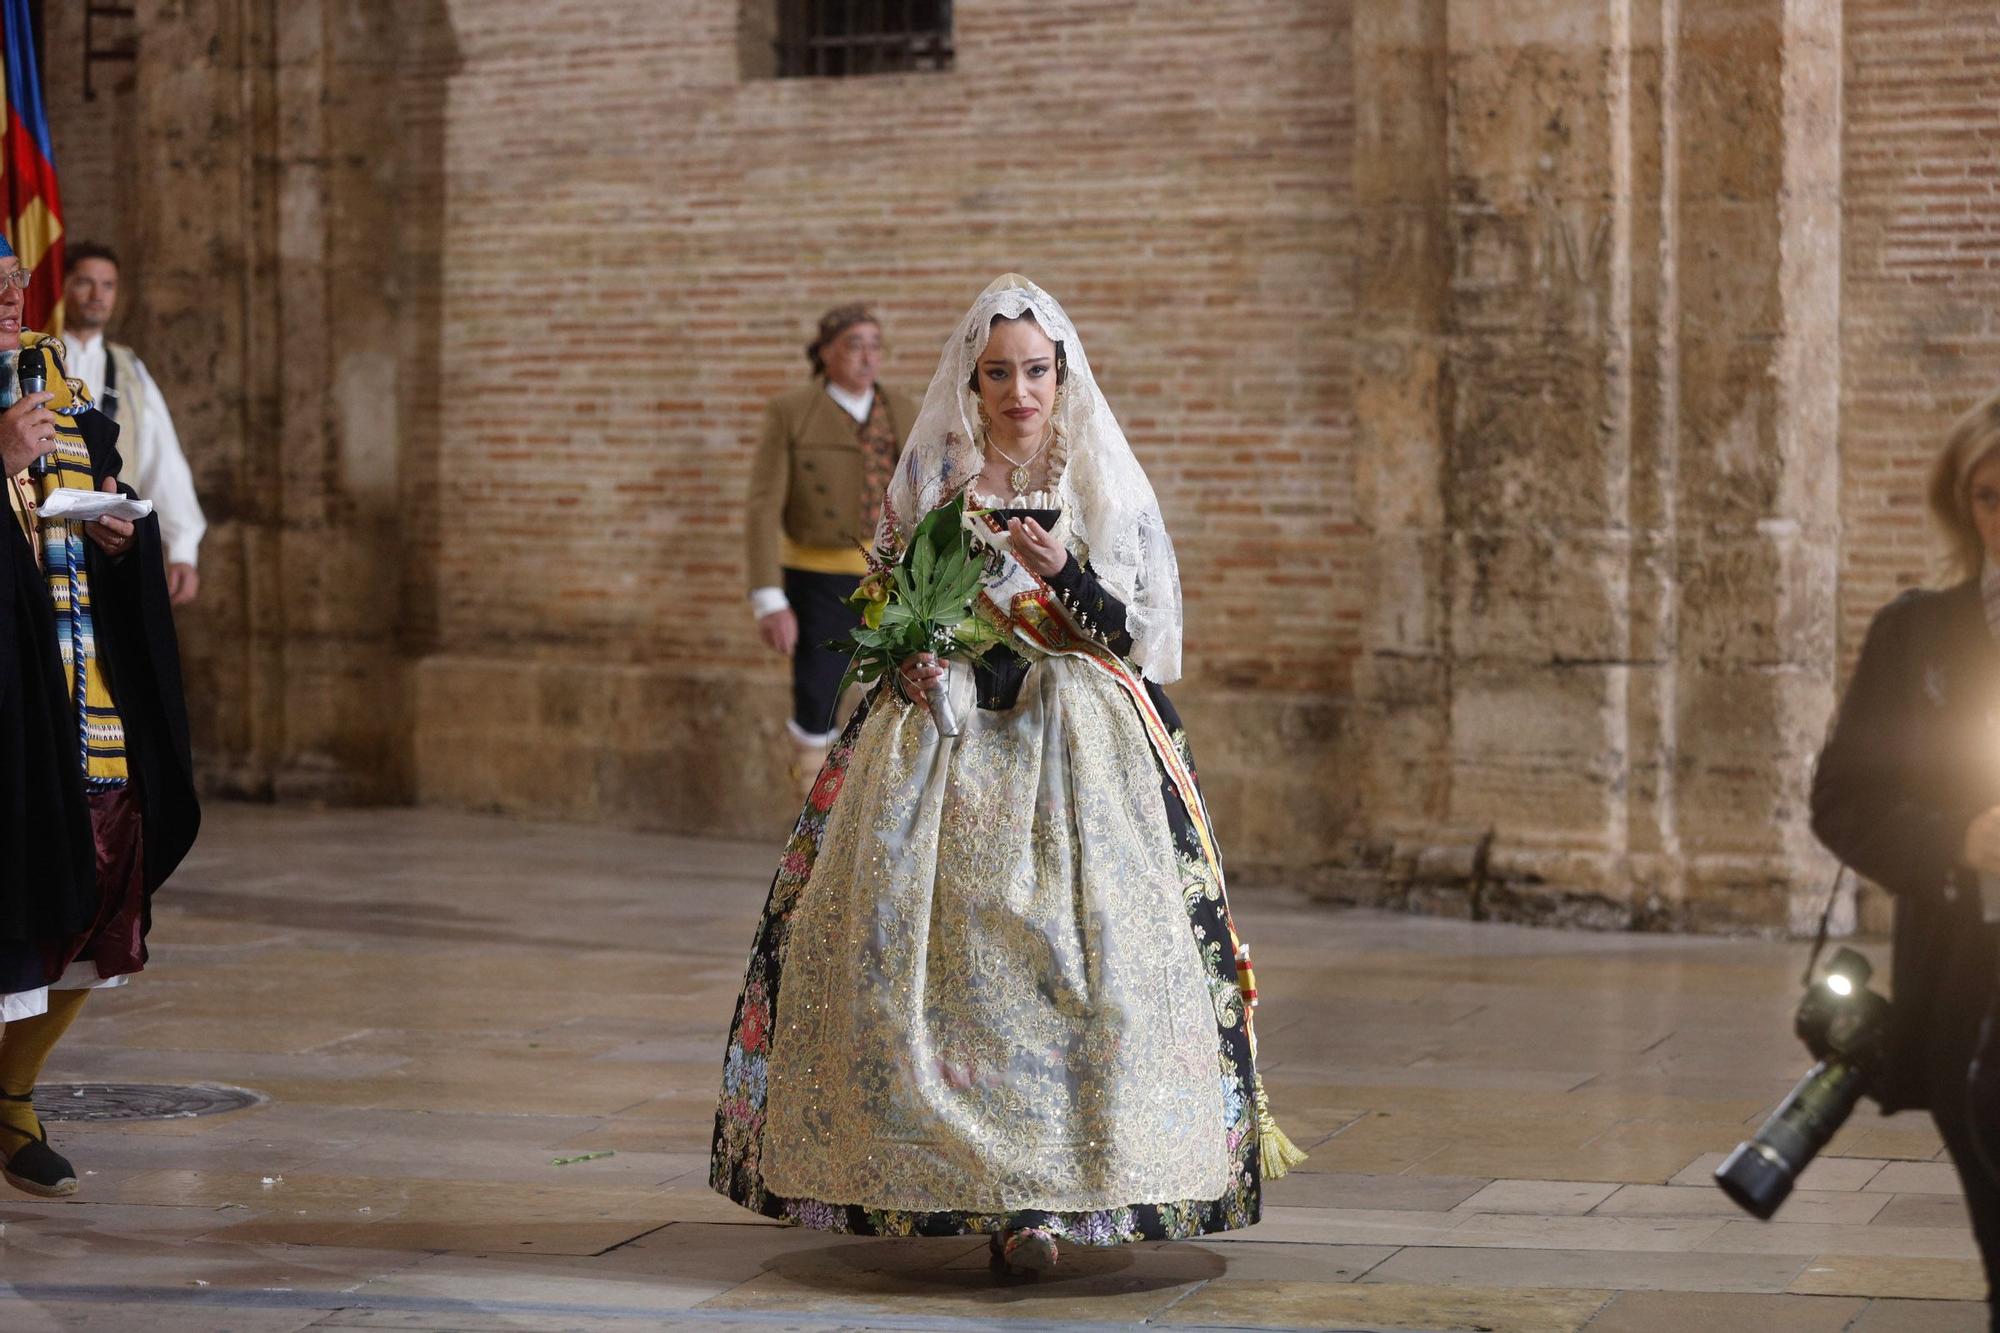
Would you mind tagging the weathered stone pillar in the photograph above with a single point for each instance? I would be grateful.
(1402, 409)
(1599, 431)
(273, 146)
(1758, 250)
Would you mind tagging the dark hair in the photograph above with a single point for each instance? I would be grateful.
(76, 254)
(1062, 359)
(834, 323)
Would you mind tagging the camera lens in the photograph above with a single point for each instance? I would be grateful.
(1760, 1174)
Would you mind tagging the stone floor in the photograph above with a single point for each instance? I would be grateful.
(490, 1051)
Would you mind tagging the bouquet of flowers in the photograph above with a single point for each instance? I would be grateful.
(921, 602)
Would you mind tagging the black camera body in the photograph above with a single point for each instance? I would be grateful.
(1845, 1026)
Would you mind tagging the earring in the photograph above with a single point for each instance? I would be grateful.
(985, 419)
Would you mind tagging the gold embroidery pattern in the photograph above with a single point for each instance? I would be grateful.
(992, 999)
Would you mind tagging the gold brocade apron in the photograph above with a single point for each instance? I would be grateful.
(992, 999)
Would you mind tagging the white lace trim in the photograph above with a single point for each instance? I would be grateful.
(1107, 502)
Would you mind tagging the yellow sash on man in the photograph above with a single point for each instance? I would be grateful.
(100, 731)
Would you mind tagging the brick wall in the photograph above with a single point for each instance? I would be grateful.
(636, 240)
(629, 274)
(1921, 306)
(93, 161)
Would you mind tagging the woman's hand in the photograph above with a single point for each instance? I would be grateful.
(1982, 843)
(1035, 548)
(919, 673)
(112, 535)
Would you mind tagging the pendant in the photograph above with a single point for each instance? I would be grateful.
(1018, 479)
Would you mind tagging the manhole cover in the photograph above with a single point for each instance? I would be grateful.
(139, 1101)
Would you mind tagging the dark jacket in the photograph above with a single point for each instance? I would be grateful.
(1913, 757)
(47, 860)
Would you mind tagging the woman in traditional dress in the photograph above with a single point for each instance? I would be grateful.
(996, 989)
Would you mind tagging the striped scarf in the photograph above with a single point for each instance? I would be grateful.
(100, 731)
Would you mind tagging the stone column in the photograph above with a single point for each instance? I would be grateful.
(270, 265)
(1402, 411)
(1758, 484)
(1599, 433)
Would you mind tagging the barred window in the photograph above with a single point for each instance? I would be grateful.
(847, 38)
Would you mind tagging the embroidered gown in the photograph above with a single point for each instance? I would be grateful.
(994, 985)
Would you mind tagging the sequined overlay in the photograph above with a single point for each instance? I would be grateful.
(993, 985)
(993, 1000)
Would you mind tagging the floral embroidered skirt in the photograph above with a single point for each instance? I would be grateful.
(993, 988)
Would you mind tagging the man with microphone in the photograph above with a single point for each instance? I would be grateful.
(97, 802)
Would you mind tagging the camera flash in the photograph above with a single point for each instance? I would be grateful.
(1840, 983)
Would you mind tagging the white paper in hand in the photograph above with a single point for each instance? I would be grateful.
(80, 506)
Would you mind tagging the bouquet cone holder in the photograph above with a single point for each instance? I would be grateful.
(938, 699)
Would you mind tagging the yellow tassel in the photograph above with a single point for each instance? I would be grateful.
(1277, 1153)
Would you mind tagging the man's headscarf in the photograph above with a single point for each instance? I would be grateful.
(834, 323)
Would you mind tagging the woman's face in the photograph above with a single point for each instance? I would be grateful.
(1982, 489)
(1017, 380)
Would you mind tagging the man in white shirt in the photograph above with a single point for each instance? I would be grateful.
(822, 465)
(155, 467)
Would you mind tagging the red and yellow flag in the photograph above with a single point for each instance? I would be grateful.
(33, 220)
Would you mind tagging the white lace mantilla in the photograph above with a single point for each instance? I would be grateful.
(1103, 492)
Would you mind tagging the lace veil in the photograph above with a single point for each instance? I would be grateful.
(1104, 491)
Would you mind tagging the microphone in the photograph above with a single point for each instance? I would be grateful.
(31, 368)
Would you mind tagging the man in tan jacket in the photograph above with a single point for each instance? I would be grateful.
(823, 463)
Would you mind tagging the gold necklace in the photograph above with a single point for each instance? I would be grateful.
(1018, 478)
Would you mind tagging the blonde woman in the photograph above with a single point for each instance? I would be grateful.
(1908, 794)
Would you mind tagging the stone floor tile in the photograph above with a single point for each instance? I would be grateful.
(1909, 1136)
(1873, 1275)
(1526, 1231)
(1917, 1178)
(1347, 1189)
(523, 1234)
(73, 1223)
(141, 1261)
(1839, 1207)
(669, 1282)
(1630, 1162)
(1926, 1210)
(1903, 1316)
(1346, 1226)
(1311, 1305)
(1113, 1285)
(1686, 1311)
(85, 1316)
(1547, 1197)
(1747, 1237)
(1628, 1270)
